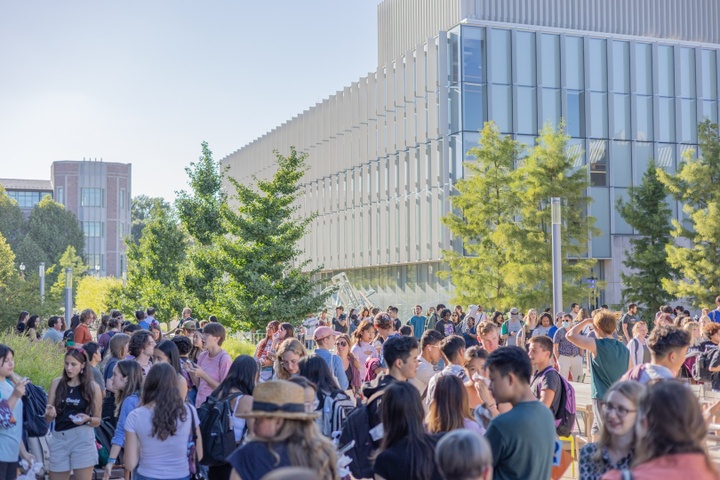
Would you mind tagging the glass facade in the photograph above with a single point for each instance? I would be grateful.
(386, 162)
(27, 199)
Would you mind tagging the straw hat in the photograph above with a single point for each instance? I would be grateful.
(280, 399)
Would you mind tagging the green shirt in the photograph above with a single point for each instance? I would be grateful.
(522, 442)
(608, 365)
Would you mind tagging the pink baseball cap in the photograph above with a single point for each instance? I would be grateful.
(324, 332)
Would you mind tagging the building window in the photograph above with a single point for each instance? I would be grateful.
(575, 114)
(551, 106)
(687, 72)
(621, 67)
(643, 69)
(92, 197)
(598, 163)
(501, 100)
(525, 59)
(574, 70)
(61, 195)
(527, 122)
(621, 164)
(598, 65)
(598, 115)
(666, 117)
(709, 74)
(666, 71)
(550, 61)
(472, 53)
(94, 229)
(643, 117)
(473, 107)
(500, 57)
(621, 116)
(122, 199)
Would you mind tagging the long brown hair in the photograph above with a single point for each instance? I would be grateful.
(629, 389)
(353, 361)
(675, 423)
(86, 381)
(161, 389)
(131, 370)
(450, 407)
(292, 345)
(357, 334)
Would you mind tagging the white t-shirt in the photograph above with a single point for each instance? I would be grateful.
(161, 458)
(10, 438)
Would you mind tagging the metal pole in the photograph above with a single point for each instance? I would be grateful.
(42, 281)
(556, 254)
(68, 294)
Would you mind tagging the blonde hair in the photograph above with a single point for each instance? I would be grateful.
(689, 326)
(636, 327)
(306, 447)
(289, 345)
(629, 389)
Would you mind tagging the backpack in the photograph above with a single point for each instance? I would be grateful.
(34, 402)
(357, 427)
(701, 369)
(336, 407)
(565, 416)
(216, 428)
(104, 434)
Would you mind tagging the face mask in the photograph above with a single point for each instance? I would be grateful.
(566, 324)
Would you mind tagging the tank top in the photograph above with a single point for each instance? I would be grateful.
(238, 423)
(72, 404)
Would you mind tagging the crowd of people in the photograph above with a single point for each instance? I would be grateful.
(444, 394)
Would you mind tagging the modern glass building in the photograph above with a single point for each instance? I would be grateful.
(632, 79)
(27, 193)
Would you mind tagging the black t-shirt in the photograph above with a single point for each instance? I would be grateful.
(548, 379)
(395, 463)
(339, 327)
(254, 460)
(630, 321)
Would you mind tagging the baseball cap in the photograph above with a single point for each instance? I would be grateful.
(323, 332)
(189, 325)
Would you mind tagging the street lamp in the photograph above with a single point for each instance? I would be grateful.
(97, 270)
(22, 270)
(556, 218)
(68, 293)
(42, 280)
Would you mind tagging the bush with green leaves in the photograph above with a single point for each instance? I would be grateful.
(40, 361)
(236, 347)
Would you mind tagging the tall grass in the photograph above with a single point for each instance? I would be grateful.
(40, 361)
(236, 347)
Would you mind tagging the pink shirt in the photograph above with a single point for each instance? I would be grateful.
(216, 367)
(362, 351)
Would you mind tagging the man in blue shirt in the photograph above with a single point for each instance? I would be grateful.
(715, 314)
(325, 339)
(417, 322)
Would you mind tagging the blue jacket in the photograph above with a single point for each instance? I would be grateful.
(336, 366)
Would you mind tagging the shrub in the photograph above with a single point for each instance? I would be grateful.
(40, 361)
(236, 347)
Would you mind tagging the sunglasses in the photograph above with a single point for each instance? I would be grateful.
(341, 344)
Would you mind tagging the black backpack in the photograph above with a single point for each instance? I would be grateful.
(216, 427)
(104, 434)
(34, 403)
(701, 369)
(357, 427)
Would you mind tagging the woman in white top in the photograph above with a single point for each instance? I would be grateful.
(157, 432)
(639, 350)
(238, 387)
(363, 348)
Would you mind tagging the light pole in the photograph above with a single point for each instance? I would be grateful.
(556, 254)
(42, 281)
(22, 270)
(68, 293)
(97, 270)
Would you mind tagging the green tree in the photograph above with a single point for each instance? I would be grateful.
(13, 225)
(265, 281)
(648, 212)
(154, 267)
(7, 263)
(54, 229)
(143, 209)
(69, 259)
(486, 207)
(93, 292)
(549, 171)
(697, 254)
(31, 254)
(200, 209)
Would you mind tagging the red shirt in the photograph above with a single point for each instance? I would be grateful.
(82, 335)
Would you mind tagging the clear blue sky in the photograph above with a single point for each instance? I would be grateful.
(146, 82)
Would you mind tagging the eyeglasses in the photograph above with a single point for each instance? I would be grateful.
(620, 411)
(341, 344)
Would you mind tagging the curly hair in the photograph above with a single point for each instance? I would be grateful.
(138, 340)
(160, 389)
(290, 345)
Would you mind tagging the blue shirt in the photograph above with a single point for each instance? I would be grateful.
(714, 315)
(336, 366)
(418, 324)
(128, 405)
(144, 324)
(10, 438)
(552, 331)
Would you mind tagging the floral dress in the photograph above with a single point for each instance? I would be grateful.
(590, 469)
